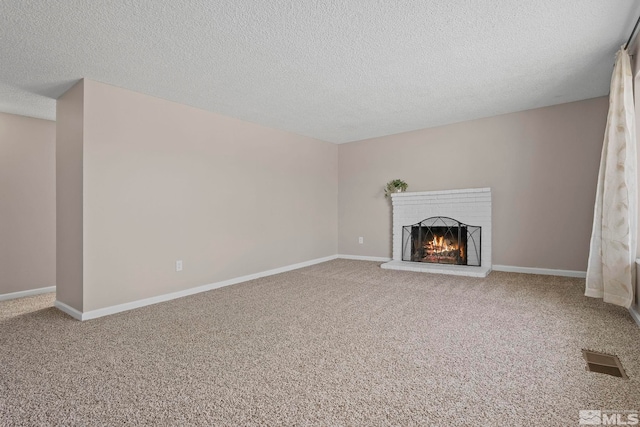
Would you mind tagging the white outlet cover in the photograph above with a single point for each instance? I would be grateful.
(179, 265)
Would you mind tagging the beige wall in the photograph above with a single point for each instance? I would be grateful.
(27, 203)
(69, 188)
(164, 181)
(541, 165)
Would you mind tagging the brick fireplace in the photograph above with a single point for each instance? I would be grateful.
(424, 212)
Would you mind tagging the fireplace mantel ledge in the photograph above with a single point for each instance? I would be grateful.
(439, 192)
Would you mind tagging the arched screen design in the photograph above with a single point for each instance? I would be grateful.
(442, 240)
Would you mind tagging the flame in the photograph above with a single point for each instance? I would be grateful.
(439, 245)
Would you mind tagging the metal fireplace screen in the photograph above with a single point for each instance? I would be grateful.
(442, 240)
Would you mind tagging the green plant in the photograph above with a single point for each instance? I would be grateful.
(395, 186)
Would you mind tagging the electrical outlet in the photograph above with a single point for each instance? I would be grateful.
(179, 265)
(361, 240)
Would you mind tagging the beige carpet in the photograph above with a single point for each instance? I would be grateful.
(339, 343)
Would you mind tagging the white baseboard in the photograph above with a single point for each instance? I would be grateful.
(635, 315)
(544, 271)
(68, 309)
(364, 258)
(29, 293)
(93, 314)
(506, 268)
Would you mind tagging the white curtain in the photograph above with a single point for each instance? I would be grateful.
(611, 269)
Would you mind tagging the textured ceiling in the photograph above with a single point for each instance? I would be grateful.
(337, 70)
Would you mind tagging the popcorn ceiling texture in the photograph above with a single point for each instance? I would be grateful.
(335, 70)
(338, 343)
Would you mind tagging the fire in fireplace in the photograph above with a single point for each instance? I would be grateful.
(444, 245)
(442, 240)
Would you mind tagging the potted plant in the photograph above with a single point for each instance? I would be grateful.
(395, 186)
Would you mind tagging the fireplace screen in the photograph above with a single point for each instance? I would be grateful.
(441, 240)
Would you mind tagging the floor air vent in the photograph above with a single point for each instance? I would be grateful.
(603, 363)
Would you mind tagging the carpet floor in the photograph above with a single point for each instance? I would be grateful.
(339, 343)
